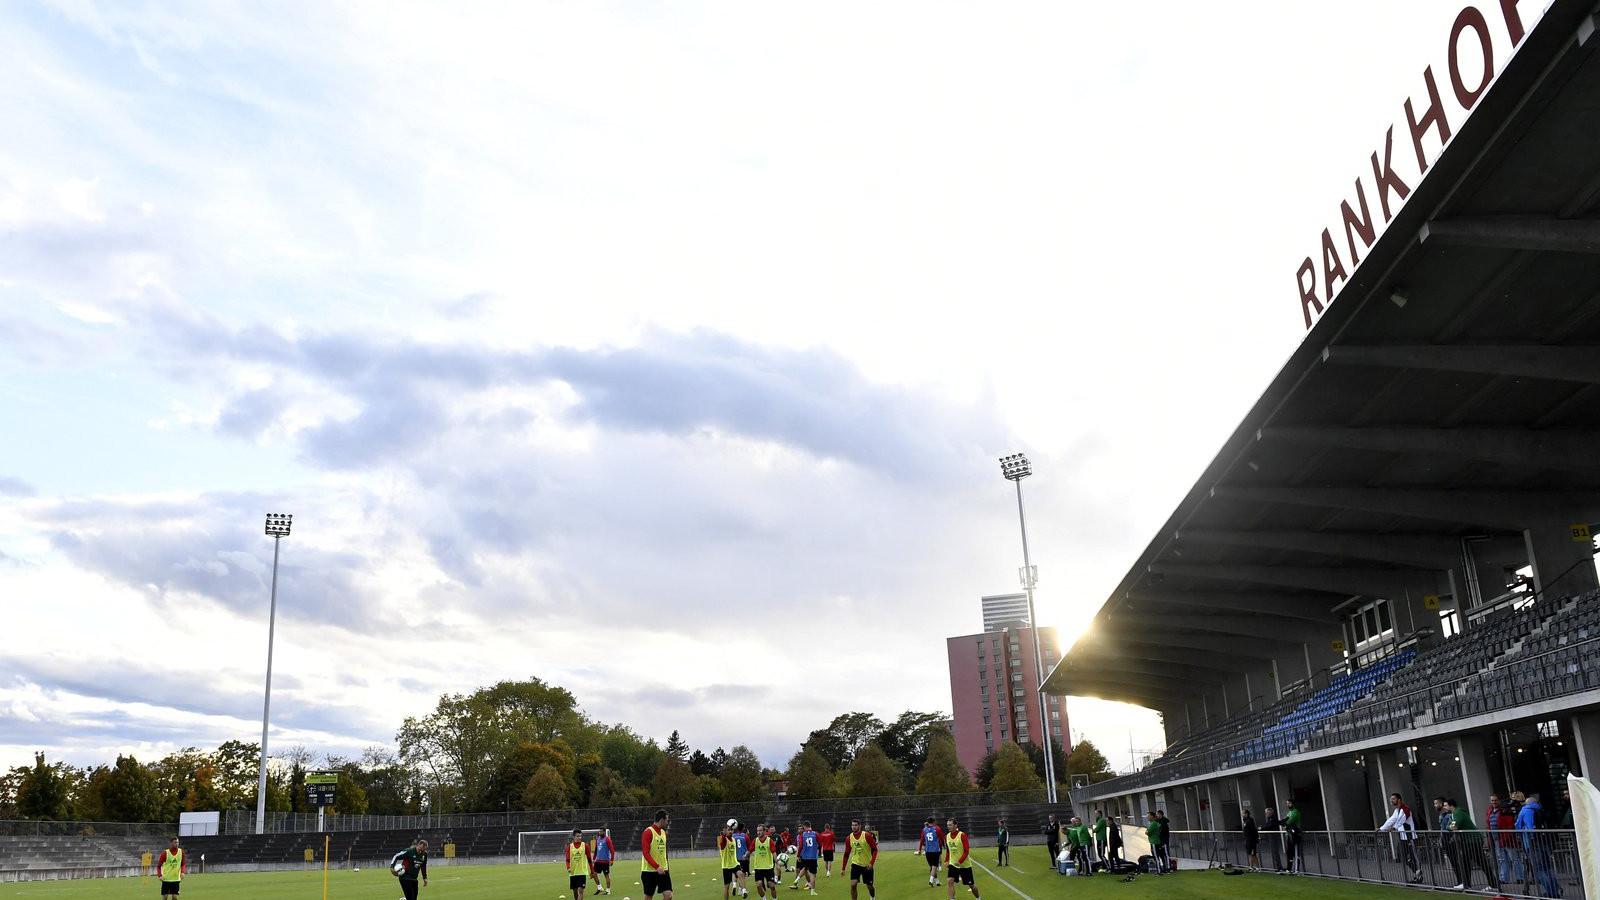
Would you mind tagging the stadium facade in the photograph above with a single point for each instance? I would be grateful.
(1385, 580)
(1000, 610)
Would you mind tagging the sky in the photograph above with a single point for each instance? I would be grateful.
(661, 351)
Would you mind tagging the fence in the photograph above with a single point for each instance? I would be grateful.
(243, 821)
(1569, 669)
(1541, 863)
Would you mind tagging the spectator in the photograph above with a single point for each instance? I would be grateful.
(1252, 839)
(1081, 846)
(1536, 847)
(1052, 839)
(1002, 844)
(1269, 822)
(1500, 821)
(1401, 822)
(1101, 827)
(1152, 832)
(1291, 838)
(1470, 851)
(1113, 843)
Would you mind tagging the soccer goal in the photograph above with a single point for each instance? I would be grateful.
(528, 842)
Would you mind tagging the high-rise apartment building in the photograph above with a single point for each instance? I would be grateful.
(994, 692)
(1000, 610)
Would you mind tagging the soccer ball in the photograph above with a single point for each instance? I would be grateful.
(356, 869)
(792, 849)
(733, 823)
(399, 867)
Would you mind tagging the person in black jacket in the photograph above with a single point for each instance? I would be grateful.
(1269, 822)
(1113, 843)
(1052, 838)
(1252, 839)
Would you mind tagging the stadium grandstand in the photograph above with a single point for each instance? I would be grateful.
(1385, 580)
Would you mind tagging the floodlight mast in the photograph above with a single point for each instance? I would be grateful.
(278, 525)
(1015, 468)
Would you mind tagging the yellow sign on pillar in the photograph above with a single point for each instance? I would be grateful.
(311, 855)
(146, 860)
(450, 850)
(1338, 646)
(1430, 601)
(1581, 534)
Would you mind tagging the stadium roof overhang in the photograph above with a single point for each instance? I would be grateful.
(1452, 390)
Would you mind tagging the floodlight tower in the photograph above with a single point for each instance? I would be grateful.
(277, 528)
(1015, 468)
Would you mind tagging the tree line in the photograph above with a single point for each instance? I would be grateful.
(523, 745)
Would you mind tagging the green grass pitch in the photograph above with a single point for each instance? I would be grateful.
(901, 876)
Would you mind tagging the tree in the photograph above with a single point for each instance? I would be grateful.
(809, 776)
(1013, 771)
(844, 736)
(985, 773)
(906, 739)
(674, 783)
(942, 772)
(236, 767)
(533, 710)
(129, 792)
(874, 774)
(610, 790)
(43, 792)
(719, 758)
(630, 756)
(545, 790)
(710, 789)
(741, 776)
(700, 764)
(1086, 759)
(1036, 756)
(456, 748)
(677, 747)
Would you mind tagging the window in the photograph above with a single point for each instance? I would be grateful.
(1022, 735)
(1055, 715)
(1016, 676)
(1449, 623)
(1056, 729)
(1016, 663)
(1003, 734)
(1017, 692)
(985, 720)
(1002, 718)
(982, 675)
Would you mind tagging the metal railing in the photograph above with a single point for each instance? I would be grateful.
(1540, 863)
(1517, 681)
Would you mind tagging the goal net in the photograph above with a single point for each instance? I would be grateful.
(532, 846)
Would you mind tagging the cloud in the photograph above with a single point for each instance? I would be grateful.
(15, 487)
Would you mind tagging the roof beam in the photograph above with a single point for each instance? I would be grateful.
(1576, 364)
(1423, 551)
(1506, 509)
(1144, 639)
(1292, 631)
(1285, 606)
(1515, 233)
(1333, 579)
(1216, 663)
(1568, 449)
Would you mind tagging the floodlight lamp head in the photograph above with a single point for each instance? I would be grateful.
(278, 524)
(1015, 467)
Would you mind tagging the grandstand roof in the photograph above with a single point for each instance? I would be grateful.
(1452, 390)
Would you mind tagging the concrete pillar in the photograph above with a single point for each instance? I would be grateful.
(1205, 710)
(1306, 649)
(1188, 807)
(1332, 800)
(1387, 767)
(1226, 712)
(1188, 717)
(1277, 681)
(1250, 796)
(1474, 773)
(1281, 794)
(1586, 742)
(1561, 565)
